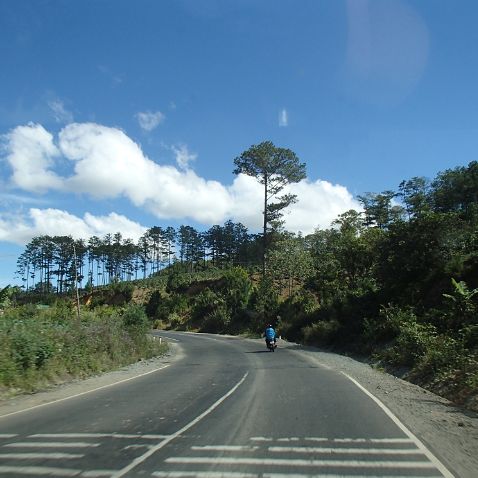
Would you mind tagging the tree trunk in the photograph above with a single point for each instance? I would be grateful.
(264, 231)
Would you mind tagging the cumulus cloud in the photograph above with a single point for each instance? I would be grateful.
(283, 118)
(183, 156)
(149, 120)
(318, 204)
(20, 229)
(31, 152)
(106, 163)
(61, 114)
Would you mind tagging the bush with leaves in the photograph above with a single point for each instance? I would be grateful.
(461, 307)
(153, 304)
(40, 345)
(385, 327)
(236, 289)
(178, 282)
(209, 304)
(136, 322)
(297, 312)
(122, 292)
(413, 338)
(265, 304)
(217, 321)
(5, 294)
(321, 333)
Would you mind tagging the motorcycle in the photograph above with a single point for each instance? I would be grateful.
(271, 345)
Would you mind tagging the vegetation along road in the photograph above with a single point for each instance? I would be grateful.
(224, 408)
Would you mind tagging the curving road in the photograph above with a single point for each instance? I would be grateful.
(226, 408)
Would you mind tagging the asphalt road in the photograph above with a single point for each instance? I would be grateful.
(227, 408)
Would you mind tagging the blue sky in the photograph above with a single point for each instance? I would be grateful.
(121, 115)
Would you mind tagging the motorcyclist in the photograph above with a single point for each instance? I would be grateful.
(270, 335)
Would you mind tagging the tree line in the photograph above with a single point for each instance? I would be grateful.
(51, 263)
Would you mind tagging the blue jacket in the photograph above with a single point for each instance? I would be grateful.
(270, 333)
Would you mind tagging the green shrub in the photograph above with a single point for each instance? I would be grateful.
(38, 345)
(175, 321)
(122, 292)
(205, 304)
(178, 303)
(296, 313)
(461, 307)
(265, 303)
(178, 282)
(153, 304)
(322, 333)
(236, 288)
(413, 339)
(469, 335)
(386, 326)
(135, 319)
(30, 346)
(217, 320)
(444, 353)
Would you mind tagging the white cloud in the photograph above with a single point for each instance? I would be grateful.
(183, 156)
(247, 198)
(31, 152)
(149, 121)
(20, 229)
(318, 204)
(61, 114)
(283, 118)
(106, 163)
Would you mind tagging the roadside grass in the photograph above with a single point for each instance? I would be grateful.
(50, 346)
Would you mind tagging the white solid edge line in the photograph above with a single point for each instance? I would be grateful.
(83, 393)
(440, 466)
(137, 461)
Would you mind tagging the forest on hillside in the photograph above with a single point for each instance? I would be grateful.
(51, 263)
(397, 281)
